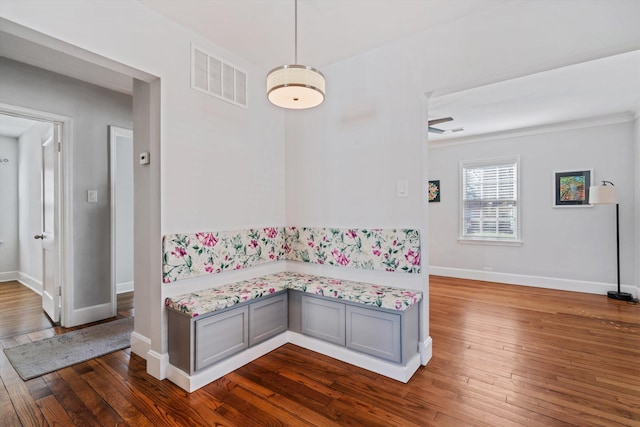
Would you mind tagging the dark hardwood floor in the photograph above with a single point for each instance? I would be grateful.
(502, 356)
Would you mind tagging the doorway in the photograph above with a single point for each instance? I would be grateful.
(30, 227)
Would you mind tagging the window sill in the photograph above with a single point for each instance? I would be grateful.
(493, 242)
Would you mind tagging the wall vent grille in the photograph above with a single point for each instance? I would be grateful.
(215, 77)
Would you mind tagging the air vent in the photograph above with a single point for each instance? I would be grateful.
(215, 77)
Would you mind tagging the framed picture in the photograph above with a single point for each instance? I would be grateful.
(434, 191)
(572, 188)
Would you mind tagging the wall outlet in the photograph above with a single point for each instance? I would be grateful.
(92, 196)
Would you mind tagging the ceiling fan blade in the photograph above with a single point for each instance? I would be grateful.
(435, 130)
(438, 121)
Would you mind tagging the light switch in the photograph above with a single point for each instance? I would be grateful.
(402, 188)
(92, 196)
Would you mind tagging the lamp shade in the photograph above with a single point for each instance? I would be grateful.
(602, 194)
(295, 87)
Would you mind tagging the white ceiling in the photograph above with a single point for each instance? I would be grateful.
(261, 31)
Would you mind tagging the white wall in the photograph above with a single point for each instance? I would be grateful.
(9, 208)
(576, 245)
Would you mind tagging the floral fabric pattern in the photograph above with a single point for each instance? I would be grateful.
(395, 250)
(197, 254)
(209, 300)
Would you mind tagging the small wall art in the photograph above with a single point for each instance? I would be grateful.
(434, 191)
(571, 189)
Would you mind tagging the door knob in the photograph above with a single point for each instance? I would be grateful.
(38, 236)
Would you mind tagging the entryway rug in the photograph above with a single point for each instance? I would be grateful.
(50, 354)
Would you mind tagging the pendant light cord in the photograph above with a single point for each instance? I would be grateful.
(295, 53)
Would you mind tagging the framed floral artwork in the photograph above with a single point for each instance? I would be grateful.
(571, 189)
(434, 191)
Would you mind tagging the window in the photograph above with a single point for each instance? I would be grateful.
(490, 208)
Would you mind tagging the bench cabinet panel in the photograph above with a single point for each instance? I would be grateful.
(267, 318)
(374, 332)
(221, 336)
(323, 319)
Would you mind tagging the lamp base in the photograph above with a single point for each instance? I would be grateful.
(622, 296)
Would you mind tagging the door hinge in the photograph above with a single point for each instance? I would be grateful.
(60, 291)
(59, 146)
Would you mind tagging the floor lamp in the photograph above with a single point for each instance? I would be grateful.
(605, 194)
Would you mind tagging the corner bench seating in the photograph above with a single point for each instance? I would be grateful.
(214, 331)
(210, 325)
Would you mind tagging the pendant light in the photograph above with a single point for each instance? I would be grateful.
(295, 86)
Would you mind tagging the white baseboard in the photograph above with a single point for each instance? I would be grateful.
(8, 276)
(426, 351)
(124, 287)
(193, 382)
(388, 369)
(157, 364)
(31, 283)
(599, 288)
(140, 344)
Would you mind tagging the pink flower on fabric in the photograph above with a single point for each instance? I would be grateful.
(334, 282)
(253, 244)
(340, 257)
(287, 248)
(395, 243)
(413, 257)
(207, 239)
(179, 252)
(352, 234)
(166, 280)
(398, 305)
(208, 267)
(310, 243)
(237, 267)
(376, 251)
(271, 232)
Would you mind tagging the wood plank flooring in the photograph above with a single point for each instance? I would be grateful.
(502, 356)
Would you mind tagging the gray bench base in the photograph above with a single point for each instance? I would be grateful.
(204, 348)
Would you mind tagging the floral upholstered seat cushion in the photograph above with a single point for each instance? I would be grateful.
(364, 293)
(209, 300)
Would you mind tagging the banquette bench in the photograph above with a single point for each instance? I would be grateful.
(209, 326)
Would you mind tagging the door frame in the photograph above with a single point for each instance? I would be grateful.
(63, 204)
(114, 133)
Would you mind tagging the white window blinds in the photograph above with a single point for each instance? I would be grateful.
(490, 200)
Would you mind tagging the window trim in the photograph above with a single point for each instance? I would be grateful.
(517, 240)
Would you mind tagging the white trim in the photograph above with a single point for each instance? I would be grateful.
(124, 287)
(34, 284)
(140, 344)
(494, 242)
(157, 364)
(116, 288)
(609, 119)
(193, 382)
(388, 369)
(395, 371)
(8, 276)
(426, 351)
(599, 288)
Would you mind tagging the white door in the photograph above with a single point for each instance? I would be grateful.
(50, 253)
